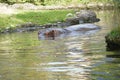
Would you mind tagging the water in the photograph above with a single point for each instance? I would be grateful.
(24, 57)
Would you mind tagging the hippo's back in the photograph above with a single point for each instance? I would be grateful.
(86, 26)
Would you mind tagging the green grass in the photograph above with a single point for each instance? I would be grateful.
(7, 21)
(43, 17)
(115, 33)
(36, 17)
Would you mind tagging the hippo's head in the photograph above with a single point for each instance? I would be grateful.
(52, 33)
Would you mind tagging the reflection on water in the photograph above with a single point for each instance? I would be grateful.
(24, 57)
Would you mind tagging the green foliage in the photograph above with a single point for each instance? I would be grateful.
(114, 35)
(117, 3)
(115, 32)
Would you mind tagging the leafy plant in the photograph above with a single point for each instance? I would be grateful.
(114, 35)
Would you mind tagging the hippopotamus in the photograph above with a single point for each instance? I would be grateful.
(52, 33)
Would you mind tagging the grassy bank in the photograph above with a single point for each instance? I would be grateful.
(36, 17)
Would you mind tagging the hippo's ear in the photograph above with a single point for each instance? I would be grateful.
(53, 31)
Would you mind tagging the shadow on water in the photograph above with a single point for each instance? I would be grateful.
(108, 68)
(115, 55)
(24, 57)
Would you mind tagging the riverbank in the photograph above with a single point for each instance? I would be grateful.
(30, 19)
(16, 15)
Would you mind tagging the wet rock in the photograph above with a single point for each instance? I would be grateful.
(84, 16)
(73, 20)
(29, 26)
(48, 25)
(112, 44)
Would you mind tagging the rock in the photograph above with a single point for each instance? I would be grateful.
(73, 20)
(112, 44)
(92, 5)
(48, 25)
(28, 24)
(84, 16)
